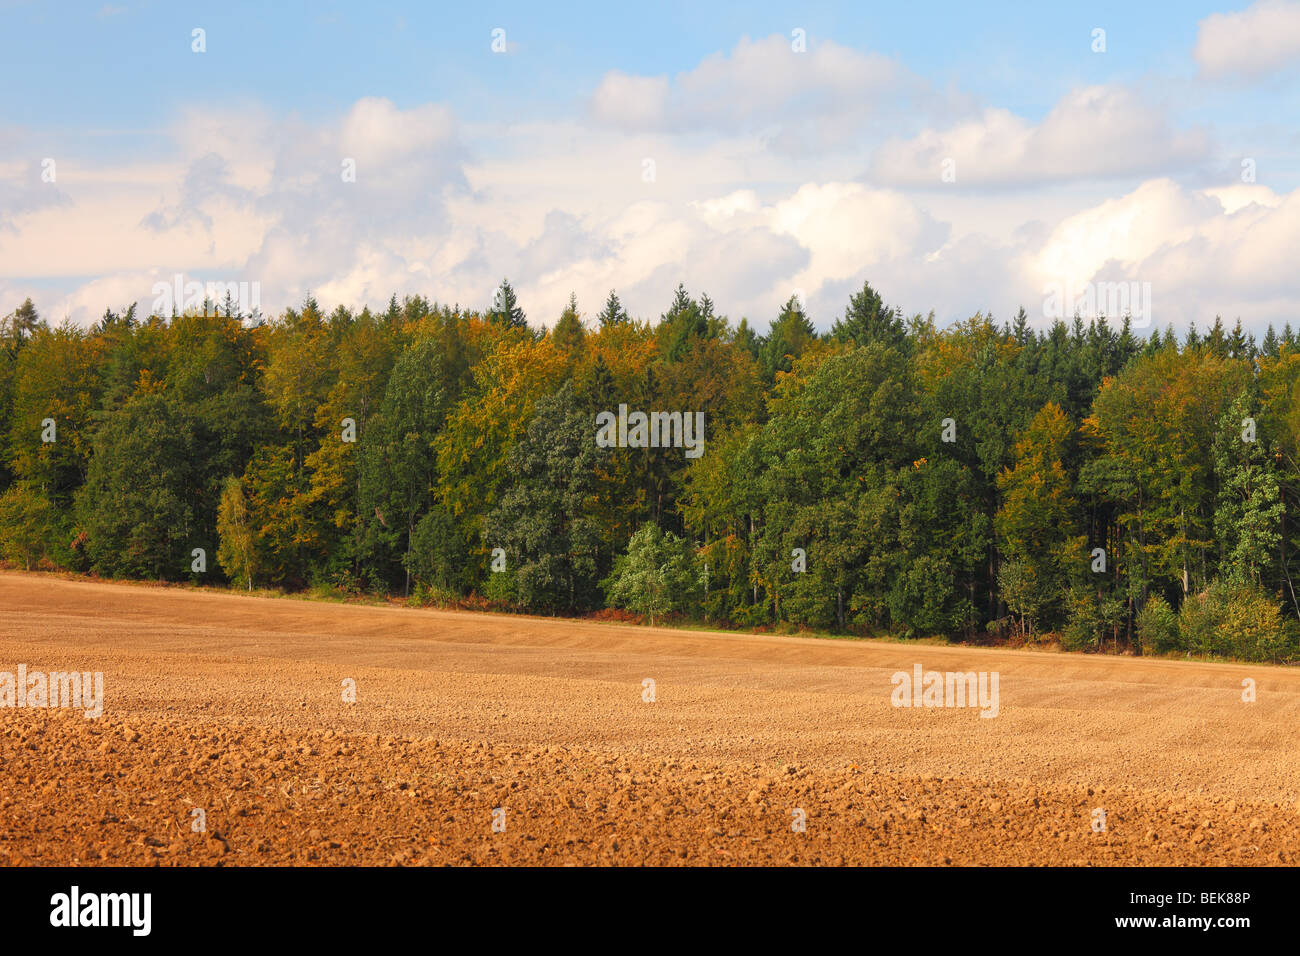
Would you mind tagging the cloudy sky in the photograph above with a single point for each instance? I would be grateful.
(959, 159)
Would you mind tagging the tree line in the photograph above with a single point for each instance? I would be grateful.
(1079, 482)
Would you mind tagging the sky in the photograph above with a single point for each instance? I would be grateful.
(961, 158)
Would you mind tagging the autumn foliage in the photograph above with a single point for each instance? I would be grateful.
(888, 476)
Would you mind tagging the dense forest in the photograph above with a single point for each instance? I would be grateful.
(1078, 482)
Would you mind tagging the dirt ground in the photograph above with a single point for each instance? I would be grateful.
(235, 706)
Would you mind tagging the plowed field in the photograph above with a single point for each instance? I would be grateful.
(235, 706)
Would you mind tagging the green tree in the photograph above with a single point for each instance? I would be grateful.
(137, 504)
(505, 308)
(1038, 522)
(1234, 620)
(867, 320)
(21, 324)
(274, 489)
(56, 377)
(787, 339)
(543, 522)
(656, 576)
(28, 526)
(613, 313)
(397, 473)
(1157, 626)
(569, 335)
(1248, 519)
(236, 540)
(298, 374)
(684, 325)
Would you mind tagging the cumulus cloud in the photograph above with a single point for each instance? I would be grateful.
(799, 101)
(561, 204)
(1126, 230)
(29, 177)
(1252, 42)
(377, 132)
(246, 196)
(1093, 132)
(851, 234)
(1203, 252)
(632, 102)
(23, 192)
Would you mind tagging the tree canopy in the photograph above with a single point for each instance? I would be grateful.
(1078, 480)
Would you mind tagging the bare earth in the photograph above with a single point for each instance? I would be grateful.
(234, 705)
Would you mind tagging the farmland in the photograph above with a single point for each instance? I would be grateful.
(234, 706)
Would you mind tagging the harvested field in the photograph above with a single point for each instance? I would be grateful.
(233, 705)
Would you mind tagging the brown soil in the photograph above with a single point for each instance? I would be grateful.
(234, 705)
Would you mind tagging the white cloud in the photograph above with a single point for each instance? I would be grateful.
(751, 200)
(378, 133)
(1252, 42)
(847, 227)
(825, 96)
(1239, 195)
(1126, 230)
(1204, 253)
(631, 102)
(1093, 132)
(243, 196)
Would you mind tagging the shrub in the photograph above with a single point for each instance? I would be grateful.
(435, 595)
(1252, 628)
(1018, 583)
(1157, 626)
(27, 526)
(1235, 620)
(502, 589)
(1092, 617)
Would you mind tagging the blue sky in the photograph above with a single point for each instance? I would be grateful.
(773, 169)
(317, 57)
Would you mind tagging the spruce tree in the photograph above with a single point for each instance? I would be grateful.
(505, 308)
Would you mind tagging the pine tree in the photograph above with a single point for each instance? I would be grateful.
(568, 332)
(683, 325)
(1153, 344)
(1126, 345)
(867, 320)
(1272, 346)
(1020, 331)
(747, 339)
(393, 314)
(1217, 339)
(613, 313)
(789, 335)
(1237, 344)
(21, 323)
(505, 308)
